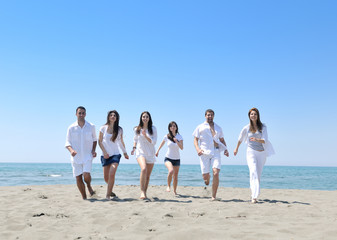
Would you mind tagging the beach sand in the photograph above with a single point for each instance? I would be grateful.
(58, 212)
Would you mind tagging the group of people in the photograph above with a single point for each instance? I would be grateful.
(81, 141)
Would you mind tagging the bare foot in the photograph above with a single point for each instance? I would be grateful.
(143, 196)
(254, 200)
(168, 189)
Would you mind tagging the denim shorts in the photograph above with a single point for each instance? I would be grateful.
(175, 162)
(110, 160)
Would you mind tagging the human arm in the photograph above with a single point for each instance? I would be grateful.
(253, 139)
(179, 143)
(237, 148)
(72, 151)
(135, 141)
(94, 138)
(93, 151)
(100, 143)
(150, 138)
(161, 145)
(222, 140)
(122, 146)
(68, 144)
(196, 145)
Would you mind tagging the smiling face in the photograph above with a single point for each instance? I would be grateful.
(253, 116)
(145, 118)
(209, 117)
(173, 128)
(80, 114)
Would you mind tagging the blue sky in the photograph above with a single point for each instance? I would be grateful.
(174, 59)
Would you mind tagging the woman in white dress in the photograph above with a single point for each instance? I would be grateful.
(258, 149)
(172, 158)
(110, 139)
(144, 141)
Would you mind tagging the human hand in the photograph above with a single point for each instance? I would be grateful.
(144, 132)
(253, 139)
(106, 156)
(226, 153)
(200, 152)
(133, 152)
(94, 154)
(126, 156)
(157, 154)
(236, 151)
(73, 153)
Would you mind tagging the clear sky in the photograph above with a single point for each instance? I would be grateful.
(174, 59)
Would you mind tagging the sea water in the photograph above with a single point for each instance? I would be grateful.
(273, 177)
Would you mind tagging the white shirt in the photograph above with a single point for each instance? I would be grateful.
(267, 146)
(81, 140)
(204, 134)
(143, 146)
(112, 147)
(172, 147)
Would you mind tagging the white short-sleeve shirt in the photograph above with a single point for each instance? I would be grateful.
(112, 147)
(172, 147)
(81, 140)
(143, 146)
(204, 134)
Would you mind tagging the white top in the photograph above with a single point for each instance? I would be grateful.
(143, 146)
(268, 147)
(81, 140)
(112, 147)
(172, 147)
(204, 134)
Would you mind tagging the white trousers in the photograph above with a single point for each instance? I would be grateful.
(255, 161)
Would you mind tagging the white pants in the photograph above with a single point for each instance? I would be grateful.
(255, 161)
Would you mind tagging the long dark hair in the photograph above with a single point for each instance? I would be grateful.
(258, 121)
(170, 134)
(115, 126)
(141, 124)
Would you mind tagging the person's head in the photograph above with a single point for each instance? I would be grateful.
(254, 119)
(209, 115)
(173, 130)
(145, 120)
(113, 118)
(80, 113)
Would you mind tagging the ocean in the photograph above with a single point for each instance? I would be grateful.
(273, 177)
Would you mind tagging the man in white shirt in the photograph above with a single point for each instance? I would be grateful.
(81, 142)
(212, 142)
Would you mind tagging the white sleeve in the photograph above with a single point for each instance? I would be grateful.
(135, 137)
(153, 137)
(101, 129)
(93, 130)
(196, 132)
(221, 133)
(68, 138)
(119, 142)
(264, 133)
(243, 134)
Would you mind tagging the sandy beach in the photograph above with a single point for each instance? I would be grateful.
(58, 212)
